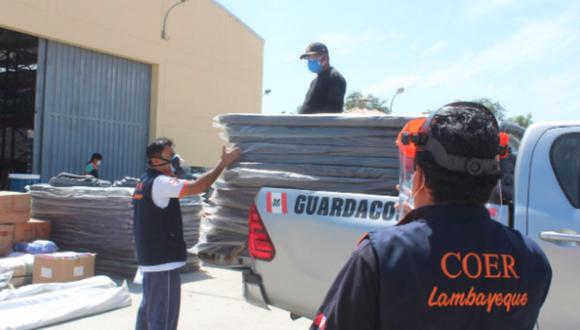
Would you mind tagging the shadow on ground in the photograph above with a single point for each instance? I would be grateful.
(200, 275)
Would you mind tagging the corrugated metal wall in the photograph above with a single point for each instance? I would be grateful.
(90, 102)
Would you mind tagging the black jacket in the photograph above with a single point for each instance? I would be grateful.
(452, 267)
(326, 93)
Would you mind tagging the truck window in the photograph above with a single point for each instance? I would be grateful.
(565, 159)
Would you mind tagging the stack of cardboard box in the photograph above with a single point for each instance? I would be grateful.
(16, 226)
(31, 230)
(15, 219)
(14, 211)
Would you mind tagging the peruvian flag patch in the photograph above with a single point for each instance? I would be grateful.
(319, 322)
(276, 202)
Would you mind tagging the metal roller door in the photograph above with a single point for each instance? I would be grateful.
(90, 102)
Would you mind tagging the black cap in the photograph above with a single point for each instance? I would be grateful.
(315, 48)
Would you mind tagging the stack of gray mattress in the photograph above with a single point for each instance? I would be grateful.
(344, 153)
(100, 220)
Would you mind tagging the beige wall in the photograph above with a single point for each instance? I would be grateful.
(211, 64)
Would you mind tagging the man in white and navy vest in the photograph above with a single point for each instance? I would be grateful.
(158, 231)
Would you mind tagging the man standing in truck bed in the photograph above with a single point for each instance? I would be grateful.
(326, 92)
(446, 265)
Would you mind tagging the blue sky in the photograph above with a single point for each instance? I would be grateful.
(523, 53)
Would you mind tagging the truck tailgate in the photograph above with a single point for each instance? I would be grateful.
(313, 234)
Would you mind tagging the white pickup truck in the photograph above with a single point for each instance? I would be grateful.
(300, 239)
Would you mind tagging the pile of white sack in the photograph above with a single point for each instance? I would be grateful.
(39, 305)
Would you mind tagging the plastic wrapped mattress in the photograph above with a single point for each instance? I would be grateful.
(343, 153)
(100, 220)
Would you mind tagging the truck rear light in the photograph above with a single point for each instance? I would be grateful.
(259, 243)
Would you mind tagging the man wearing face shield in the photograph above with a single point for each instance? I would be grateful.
(326, 92)
(446, 264)
(158, 232)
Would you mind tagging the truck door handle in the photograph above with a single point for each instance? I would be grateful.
(558, 237)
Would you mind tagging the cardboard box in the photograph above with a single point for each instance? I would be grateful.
(21, 281)
(63, 267)
(19, 266)
(6, 233)
(14, 207)
(31, 231)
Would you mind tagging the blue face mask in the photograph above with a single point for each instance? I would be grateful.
(314, 66)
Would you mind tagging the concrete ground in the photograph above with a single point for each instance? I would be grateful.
(210, 299)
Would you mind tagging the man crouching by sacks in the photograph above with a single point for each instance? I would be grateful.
(158, 230)
(446, 265)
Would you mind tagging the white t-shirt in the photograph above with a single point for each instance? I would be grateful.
(164, 188)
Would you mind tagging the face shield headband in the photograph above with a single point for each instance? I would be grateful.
(416, 136)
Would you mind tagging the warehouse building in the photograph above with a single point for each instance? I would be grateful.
(78, 77)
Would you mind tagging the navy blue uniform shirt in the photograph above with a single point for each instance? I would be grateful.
(451, 267)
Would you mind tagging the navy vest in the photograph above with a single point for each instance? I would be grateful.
(158, 232)
(452, 267)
